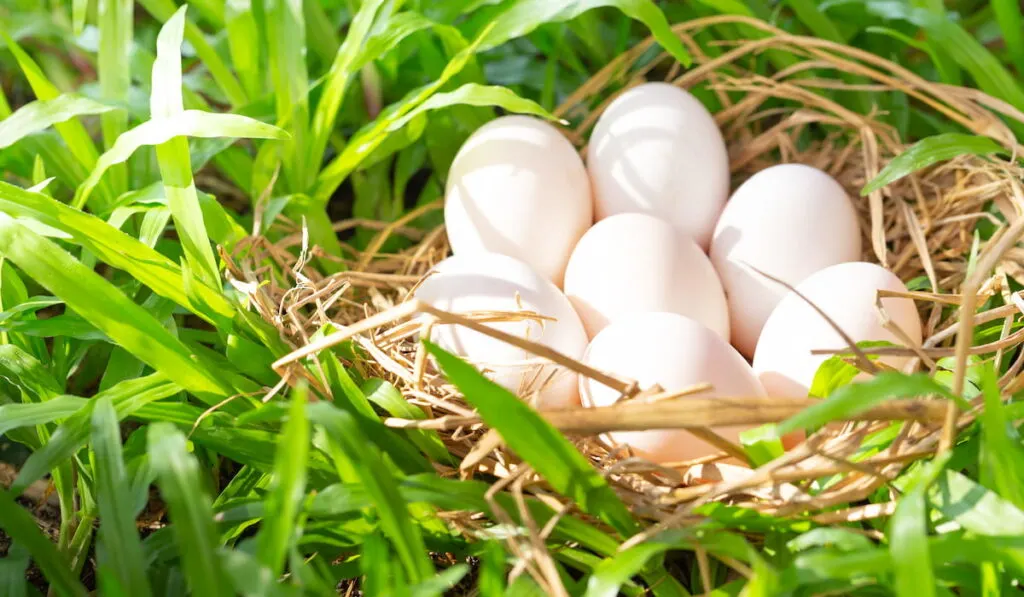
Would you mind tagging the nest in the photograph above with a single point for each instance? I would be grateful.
(924, 227)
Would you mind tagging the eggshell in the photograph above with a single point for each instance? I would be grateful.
(675, 352)
(519, 188)
(632, 263)
(846, 292)
(656, 149)
(788, 221)
(491, 282)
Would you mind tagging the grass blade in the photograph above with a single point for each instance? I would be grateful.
(287, 489)
(189, 507)
(286, 35)
(1011, 23)
(367, 463)
(107, 308)
(115, 24)
(1002, 458)
(524, 16)
(116, 248)
(928, 151)
(974, 507)
(164, 10)
(21, 528)
(908, 535)
(121, 550)
(537, 443)
(858, 397)
(244, 44)
(72, 434)
(42, 114)
(16, 416)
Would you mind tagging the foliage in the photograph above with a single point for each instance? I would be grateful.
(136, 137)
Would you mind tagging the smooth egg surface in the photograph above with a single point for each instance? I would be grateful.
(656, 149)
(787, 221)
(489, 282)
(631, 263)
(675, 352)
(846, 293)
(519, 188)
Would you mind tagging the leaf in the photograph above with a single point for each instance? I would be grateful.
(1001, 460)
(15, 416)
(121, 551)
(387, 396)
(127, 397)
(855, 398)
(537, 442)
(107, 308)
(835, 538)
(40, 115)
(908, 534)
(191, 515)
(928, 151)
(761, 444)
(831, 375)
(440, 583)
(189, 123)
(524, 16)
(1011, 23)
(21, 528)
(286, 38)
(287, 488)
(368, 464)
(13, 580)
(119, 250)
(115, 19)
(974, 507)
(26, 372)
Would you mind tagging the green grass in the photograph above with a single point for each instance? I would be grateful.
(117, 333)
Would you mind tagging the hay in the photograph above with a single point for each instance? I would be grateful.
(922, 226)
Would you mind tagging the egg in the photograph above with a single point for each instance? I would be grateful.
(488, 282)
(519, 188)
(788, 221)
(630, 263)
(675, 352)
(657, 150)
(846, 292)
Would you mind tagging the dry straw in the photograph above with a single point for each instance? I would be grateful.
(922, 226)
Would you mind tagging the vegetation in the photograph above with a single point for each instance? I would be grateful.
(142, 143)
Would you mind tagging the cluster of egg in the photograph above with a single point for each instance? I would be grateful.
(668, 286)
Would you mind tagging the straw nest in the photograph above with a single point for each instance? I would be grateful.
(920, 227)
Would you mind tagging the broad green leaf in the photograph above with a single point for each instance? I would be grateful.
(42, 114)
(189, 123)
(1011, 23)
(537, 443)
(164, 10)
(366, 141)
(121, 551)
(974, 507)
(858, 397)
(337, 79)
(189, 507)
(73, 433)
(26, 372)
(118, 249)
(13, 567)
(115, 24)
(929, 151)
(107, 308)
(244, 44)
(15, 416)
(345, 437)
(523, 16)
(908, 535)
(1001, 460)
(286, 37)
(287, 489)
(19, 525)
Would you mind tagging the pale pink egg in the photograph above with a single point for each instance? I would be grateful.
(788, 221)
(633, 263)
(519, 188)
(674, 352)
(846, 292)
(488, 282)
(657, 150)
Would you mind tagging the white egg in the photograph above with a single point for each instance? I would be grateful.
(788, 221)
(656, 149)
(519, 188)
(489, 282)
(846, 293)
(674, 352)
(632, 263)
